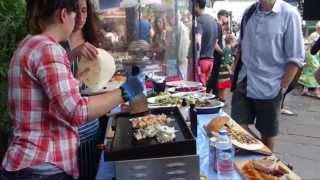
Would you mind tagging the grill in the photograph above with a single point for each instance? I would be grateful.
(125, 147)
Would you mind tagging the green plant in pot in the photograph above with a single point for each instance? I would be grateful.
(13, 29)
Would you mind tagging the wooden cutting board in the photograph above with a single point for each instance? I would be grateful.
(264, 150)
(240, 163)
(139, 104)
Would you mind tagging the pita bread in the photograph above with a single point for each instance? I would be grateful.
(97, 73)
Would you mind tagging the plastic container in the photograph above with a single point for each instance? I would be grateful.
(193, 119)
(211, 109)
(184, 109)
(212, 153)
(224, 156)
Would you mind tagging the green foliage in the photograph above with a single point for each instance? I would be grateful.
(12, 30)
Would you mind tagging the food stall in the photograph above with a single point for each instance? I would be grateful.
(153, 162)
(170, 138)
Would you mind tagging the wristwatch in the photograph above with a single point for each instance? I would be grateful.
(124, 94)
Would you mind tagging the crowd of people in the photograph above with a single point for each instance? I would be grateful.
(44, 97)
(264, 63)
(267, 57)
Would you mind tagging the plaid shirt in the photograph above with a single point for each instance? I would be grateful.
(45, 105)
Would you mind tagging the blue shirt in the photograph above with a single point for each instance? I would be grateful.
(208, 29)
(271, 40)
(143, 30)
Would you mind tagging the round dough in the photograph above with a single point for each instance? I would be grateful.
(97, 73)
(217, 123)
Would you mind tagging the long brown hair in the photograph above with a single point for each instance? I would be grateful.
(91, 28)
(40, 12)
(158, 29)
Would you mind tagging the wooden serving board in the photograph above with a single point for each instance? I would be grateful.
(240, 163)
(264, 150)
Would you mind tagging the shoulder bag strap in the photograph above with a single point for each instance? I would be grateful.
(247, 15)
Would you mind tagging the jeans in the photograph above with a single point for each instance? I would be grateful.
(27, 175)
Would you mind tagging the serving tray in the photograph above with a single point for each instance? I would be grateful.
(291, 174)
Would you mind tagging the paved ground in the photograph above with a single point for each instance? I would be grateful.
(299, 141)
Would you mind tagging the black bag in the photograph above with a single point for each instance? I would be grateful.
(247, 15)
(213, 80)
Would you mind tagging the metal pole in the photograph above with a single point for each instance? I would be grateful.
(139, 11)
(193, 41)
(176, 32)
(230, 22)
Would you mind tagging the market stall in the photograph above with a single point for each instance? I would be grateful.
(154, 159)
(168, 137)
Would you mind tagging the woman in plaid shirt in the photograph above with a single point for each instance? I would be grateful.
(44, 100)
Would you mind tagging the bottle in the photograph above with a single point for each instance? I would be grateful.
(224, 156)
(223, 135)
(184, 109)
(212, 153)
(193, 119)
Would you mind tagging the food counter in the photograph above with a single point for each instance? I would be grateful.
(107, 171)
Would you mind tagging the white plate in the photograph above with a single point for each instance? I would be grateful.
(203, 95)
(110, 87)
(196, 95)
(153, 106)
(184, 84)
(221, 104)
(251, 147)
(152, 100)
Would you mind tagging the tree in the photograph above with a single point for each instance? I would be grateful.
(13, 29)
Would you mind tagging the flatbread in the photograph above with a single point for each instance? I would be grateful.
(97, 73)
(250, 147)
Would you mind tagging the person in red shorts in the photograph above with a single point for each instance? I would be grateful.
(224, 81)
(206, 39)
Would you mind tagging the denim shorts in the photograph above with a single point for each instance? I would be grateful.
(263, 113)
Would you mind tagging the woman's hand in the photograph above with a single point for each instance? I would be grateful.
(132, 87)
(86, 50)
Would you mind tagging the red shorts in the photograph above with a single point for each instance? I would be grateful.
(224, 84)
(206, 65)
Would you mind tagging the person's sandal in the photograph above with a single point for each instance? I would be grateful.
(317, 96)
(306, 94)
(287, 112)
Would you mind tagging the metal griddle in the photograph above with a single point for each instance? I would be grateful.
(125, 147)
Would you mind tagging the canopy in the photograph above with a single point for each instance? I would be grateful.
(134, 3)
